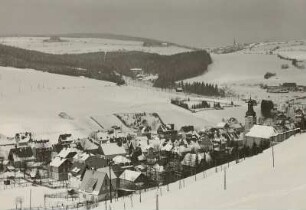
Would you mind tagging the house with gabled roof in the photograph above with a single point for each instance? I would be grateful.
(132, 180)
(59, 168)
(18, 157)
(95, 185)
(65, 139)
(111, 150)
(111, 174)
(259, 133)
(42, 150)
(89, 145)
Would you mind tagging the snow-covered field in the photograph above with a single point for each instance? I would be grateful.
(85, 45)
(251, 184)
(294, 49)
(32, 101)
(244, 72)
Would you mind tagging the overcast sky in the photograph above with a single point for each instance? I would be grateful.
(193, 22)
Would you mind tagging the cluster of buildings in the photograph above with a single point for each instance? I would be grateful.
(111, 163)
(286, 88)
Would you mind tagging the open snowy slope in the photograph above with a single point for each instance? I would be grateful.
(243, 73)
(252, 184)
(239, 68)
(32, 101)
(85, 45)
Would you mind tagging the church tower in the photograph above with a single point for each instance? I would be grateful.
(250, 116)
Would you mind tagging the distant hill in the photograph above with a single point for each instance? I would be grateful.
(103, 66)
(105, 36)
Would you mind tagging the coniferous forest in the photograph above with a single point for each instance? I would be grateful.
(112, 65)
(202, 88)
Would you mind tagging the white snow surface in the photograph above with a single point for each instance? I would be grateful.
(243, 73)
(262, 131)
(251, 184)
(85, 45)
(31, 101)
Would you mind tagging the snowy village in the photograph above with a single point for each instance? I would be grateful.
(113, 164)
(152, 105)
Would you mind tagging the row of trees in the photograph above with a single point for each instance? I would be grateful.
(202, 88)
(201, 105)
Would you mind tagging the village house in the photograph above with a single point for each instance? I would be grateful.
(23, 139)
(19, 157)
(95, 185)
(102, 137)
(42, 150)
(62, 163)
(59, 168)
(81, 163)
(89, 145)
(68, 153)
(111, 175)
(258, 134)
(121, 160)
(65, 139)
(76, 174)
(132, 180)
(205, 143)
(167, 131)
(111, 150)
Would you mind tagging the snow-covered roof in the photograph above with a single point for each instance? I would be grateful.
(57, 162)
(130, 175)
(101, 135)
(120, 159)
(106, 170)
(112, 149)
(66, 151)
(92, 182)
(81, 156)
(262, 131)
(168, 147)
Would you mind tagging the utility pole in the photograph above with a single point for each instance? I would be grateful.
(110, 180)
(30, 199)
(224, 178)
(157, 204)
(273, 153)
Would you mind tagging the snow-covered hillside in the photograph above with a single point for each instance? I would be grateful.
(85, 45)
(252, 184)
(32, 101)
(244, 72)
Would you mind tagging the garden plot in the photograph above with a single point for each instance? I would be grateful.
(138, 120)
